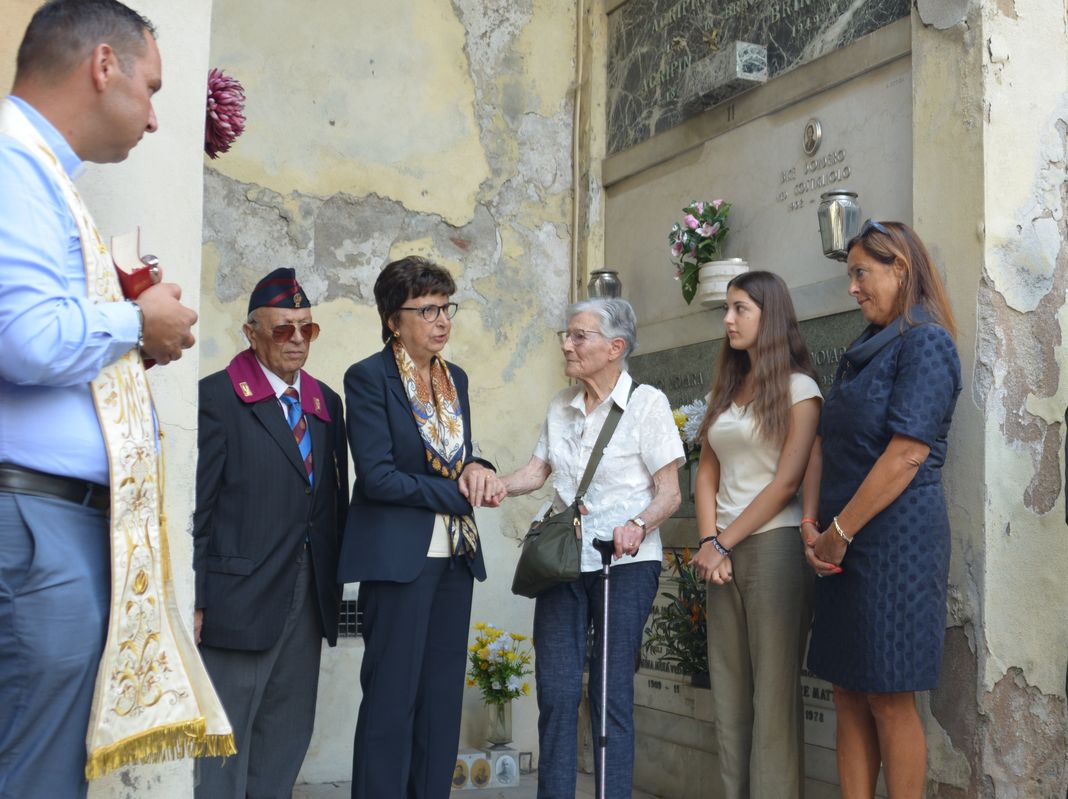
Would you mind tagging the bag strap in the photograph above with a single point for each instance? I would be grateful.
(615, 413)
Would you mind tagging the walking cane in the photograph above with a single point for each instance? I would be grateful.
(606, 547)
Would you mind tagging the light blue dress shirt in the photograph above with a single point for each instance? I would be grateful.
(53, 340)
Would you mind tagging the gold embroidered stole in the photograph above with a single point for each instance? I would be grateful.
(153, 699)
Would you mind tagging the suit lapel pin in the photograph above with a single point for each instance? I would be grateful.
(318, 407)
(245, 389)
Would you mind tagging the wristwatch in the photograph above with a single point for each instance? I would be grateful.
(638, 520)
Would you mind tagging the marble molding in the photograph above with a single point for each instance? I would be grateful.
(661, 52)
(714, 78)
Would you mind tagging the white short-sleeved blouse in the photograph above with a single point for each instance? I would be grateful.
(645, 441)
(747, 463)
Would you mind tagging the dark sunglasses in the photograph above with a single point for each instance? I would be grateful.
(309, 331)
(870, 225)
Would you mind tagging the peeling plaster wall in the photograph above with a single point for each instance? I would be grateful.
(379, 130)
(991, 114)
(1022, 386)
(122, 197)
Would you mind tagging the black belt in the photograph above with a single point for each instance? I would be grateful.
(19, 480)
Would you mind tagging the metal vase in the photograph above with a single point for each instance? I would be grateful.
(604, 283)
(839, 215)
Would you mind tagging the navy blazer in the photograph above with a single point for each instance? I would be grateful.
(255, 510)
(396, 496)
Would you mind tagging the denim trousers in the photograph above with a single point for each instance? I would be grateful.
(562, 618)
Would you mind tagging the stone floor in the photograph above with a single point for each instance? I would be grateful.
(527, 789)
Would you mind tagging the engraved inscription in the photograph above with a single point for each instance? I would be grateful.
(811, 175)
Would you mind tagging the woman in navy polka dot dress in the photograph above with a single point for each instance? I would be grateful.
(875, 524)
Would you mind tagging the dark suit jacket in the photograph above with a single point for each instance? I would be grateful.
(254, 510)
(396, 496)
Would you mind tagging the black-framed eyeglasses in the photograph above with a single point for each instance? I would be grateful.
(280, 334)
(578, 336)
(430, 312)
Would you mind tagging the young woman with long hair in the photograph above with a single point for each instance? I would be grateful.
(755, 444)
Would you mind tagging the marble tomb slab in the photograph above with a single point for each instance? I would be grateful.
(653, 44)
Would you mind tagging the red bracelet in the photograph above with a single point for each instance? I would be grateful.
(814, 521)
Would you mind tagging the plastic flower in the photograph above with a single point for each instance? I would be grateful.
(680, 419)
(225, 116)
(697, 240)
(498, 661)
(695, 414)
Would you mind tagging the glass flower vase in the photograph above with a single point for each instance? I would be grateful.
(499, 729)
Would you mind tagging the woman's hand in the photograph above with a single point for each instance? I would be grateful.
(627, 537)
(707, 562)
(481, 486)
(824, 555)
(724, 572)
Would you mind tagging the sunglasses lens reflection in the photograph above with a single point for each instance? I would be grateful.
(283, 333)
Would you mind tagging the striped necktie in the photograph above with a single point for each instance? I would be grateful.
(299, 425)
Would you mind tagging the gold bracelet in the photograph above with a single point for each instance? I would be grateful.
(841, 533)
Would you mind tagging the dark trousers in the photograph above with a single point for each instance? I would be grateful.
(54, 595)
(408, 729)
(562, 616)
(269, 698)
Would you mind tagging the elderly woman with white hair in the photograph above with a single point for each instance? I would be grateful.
(634, 489)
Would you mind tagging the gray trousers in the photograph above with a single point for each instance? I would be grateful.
(757, 631)
(269, 698)
(55, 570)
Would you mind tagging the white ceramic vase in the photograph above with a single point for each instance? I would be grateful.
(713, 277)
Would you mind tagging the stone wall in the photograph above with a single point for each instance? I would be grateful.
(990, 89)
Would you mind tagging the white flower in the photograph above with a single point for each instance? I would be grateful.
(695, 414)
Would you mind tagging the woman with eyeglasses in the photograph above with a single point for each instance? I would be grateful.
(756, 438)
(634, 489)
(876, 526)
(410, 539)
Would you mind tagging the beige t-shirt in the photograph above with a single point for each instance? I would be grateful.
(747, 463)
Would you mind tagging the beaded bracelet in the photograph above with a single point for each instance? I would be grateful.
(841, 533)
(715, 545)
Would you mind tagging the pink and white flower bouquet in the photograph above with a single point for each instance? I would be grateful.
(696, 240)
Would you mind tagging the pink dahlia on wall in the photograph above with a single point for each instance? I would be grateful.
(225, 119)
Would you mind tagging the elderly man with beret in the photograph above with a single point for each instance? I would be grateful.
(272, 492)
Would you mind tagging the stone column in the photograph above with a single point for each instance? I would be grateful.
(990, 109)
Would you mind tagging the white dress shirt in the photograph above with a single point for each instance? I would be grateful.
(279, 386)
(645, 441)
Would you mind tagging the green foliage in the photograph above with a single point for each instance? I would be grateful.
(678, 631)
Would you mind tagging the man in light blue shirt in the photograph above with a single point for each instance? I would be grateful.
(87, 71)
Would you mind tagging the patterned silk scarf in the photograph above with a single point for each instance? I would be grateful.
(153, 699)
(437, 413)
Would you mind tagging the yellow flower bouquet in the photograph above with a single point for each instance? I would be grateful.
(499, 662)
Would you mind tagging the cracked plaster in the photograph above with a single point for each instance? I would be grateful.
(440, 128)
